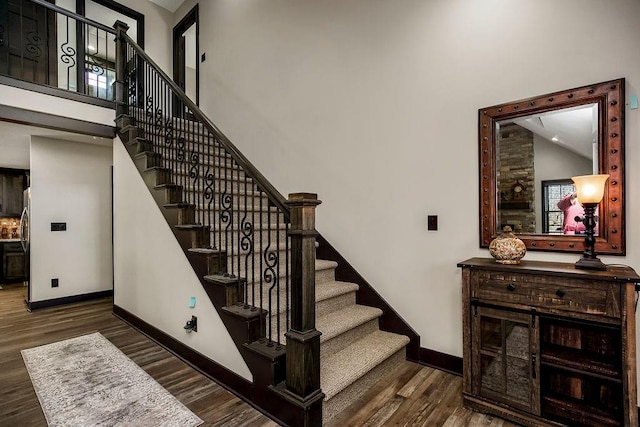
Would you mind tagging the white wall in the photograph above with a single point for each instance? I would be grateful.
(554, 162)
(153, 278)
(70, 182)
(374, 105)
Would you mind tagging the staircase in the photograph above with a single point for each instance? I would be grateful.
(238, 234)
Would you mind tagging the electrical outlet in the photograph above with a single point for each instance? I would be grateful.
(54, 283)
(58, 226)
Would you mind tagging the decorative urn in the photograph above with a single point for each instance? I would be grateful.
(507, 248)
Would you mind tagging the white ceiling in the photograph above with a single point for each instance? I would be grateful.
(170, 5)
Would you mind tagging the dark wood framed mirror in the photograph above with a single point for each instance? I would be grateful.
(545, 139)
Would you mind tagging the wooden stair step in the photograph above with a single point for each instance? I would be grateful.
(338, 322)
(341, 369)
(333, 296)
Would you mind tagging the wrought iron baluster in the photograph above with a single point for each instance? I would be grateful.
(259, 275)
(194, 163)
(235, 187)
(246, 245)
(92, 60)
(200, 185)
(68, 55)
(181, 146)
(277, 284)
(209, 192)
(270, 276)
(196, 145)
(227, 211)
(147, 102)
(152, 108)
(157, 118)
(219, 195)
(167, 125)
(287, 281)
(106, 55)
(168, 131)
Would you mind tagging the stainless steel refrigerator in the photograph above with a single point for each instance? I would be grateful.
(24, 238)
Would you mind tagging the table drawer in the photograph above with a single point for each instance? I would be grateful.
(578, 295)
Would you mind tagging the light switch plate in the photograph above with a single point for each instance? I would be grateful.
(432, 222)
(633, 102)
(192, 302)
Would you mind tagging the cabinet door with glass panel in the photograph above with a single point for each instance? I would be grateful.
(505, 362)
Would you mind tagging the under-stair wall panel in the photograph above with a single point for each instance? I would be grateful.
(153, 279)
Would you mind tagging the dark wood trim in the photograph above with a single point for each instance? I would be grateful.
(207, 367)
(80, 53)
(50, 121)
(390, 321)
(12, 171)
(36, 305)
(229, 380)
(192, 17)
(442, 361)
(57, 92)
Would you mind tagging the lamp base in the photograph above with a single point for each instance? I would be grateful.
(590, 264)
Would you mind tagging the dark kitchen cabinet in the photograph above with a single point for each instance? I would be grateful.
(13, 262)
(12, 185)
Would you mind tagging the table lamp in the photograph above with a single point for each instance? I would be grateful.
(590, 190)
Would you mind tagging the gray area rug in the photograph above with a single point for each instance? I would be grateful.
(87, 381)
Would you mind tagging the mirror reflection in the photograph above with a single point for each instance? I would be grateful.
(536, 156)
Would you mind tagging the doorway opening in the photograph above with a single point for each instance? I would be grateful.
(186, 69)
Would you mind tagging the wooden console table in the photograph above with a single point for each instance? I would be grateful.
(547, 344)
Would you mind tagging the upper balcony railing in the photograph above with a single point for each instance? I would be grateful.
(47, 45)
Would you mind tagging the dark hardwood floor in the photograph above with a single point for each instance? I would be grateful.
(412, 395)
(20, 329)
(415, 395)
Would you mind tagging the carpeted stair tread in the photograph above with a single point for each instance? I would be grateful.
(323, 264)
(333, 289)
(339, 370)
(338, 322)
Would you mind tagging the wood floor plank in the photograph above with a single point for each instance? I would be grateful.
(428, 397)
(410, 395)
(20, 329)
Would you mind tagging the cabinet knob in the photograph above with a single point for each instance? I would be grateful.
(511, 287)
(560, 293)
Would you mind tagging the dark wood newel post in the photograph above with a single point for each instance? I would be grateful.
(303, 340)
(121, 53)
